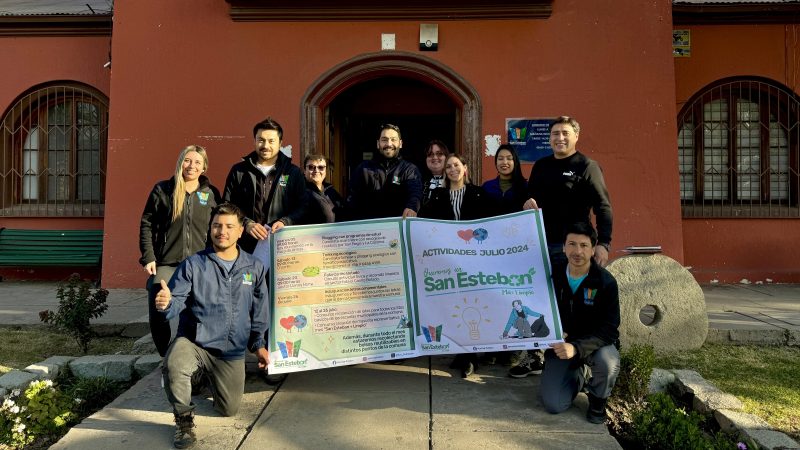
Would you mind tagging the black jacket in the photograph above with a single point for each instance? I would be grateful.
(590, 316)
(248, 188)
(384, 188)
(566, 190)
(167, 242)
(475, 204)
(326, 206)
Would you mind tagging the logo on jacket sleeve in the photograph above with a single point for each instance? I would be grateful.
(247, 278)
(396, 180)
(284, 180)
(588, 296)
(203, 197)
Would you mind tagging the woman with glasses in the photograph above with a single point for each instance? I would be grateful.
(435, 156)
(458, 199)
(327, 205)
(174, 226)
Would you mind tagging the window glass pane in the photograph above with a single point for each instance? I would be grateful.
(748, 151)
(30, 166)
(715, 150)
(778, 161)
(686, 160)
(58, 175)
(88, 114)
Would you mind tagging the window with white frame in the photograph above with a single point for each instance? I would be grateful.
(738, 151)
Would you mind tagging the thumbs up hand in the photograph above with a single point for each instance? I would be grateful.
(163, 297)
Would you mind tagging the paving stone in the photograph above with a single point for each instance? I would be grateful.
(144, 345)
(731, 421)
(662, 283)
(707, 398)
(146, 364)
(113, 367)
(660, 380)
(17, 379)
(771, 439)
(50, 367)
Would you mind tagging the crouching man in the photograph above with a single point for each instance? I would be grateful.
(588, 301)
(220, 294)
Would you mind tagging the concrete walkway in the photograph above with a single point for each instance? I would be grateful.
(417, 405)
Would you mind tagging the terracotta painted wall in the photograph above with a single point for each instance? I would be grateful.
(30, 61)
(729, 250)
(183, 72)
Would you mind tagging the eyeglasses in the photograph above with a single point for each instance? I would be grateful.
(432, 154)
(312, 168)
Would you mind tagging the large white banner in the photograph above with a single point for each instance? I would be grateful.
(482, 285)
(385, 289)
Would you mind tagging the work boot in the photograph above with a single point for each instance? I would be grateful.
(597, 409)
(184, 431)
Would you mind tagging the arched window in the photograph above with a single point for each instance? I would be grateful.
(53, 152)
(738, 150)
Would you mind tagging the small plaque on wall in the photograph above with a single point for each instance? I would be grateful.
(681, 43)
(530, 137)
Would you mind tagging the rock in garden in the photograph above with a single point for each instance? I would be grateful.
(17, 379)
(113, 367)
(50, 367)
(146, 364)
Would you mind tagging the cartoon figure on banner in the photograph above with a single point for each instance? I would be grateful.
(299, 321)
(519, 320)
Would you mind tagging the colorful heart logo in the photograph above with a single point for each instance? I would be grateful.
(287, 322)
(466, 235)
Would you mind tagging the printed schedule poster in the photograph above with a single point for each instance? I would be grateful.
(341, 295)
(482, 285)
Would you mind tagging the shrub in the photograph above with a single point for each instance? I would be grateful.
(41, 410)
(77, 304)
(632, 387)
(91, 394)
(663, 425)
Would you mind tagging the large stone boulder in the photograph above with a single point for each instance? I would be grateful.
(669, 295)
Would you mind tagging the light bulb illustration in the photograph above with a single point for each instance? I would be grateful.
(472, 318)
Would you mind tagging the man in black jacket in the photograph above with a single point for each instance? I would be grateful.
(567, 186)
(387, 185)
(588, 303)
(266, 186)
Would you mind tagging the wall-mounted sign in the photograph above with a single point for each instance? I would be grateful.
(530, 137)
(681, 43)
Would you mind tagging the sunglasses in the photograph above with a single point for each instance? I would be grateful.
(312, 168)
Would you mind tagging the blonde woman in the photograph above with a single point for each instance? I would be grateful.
(175, 226)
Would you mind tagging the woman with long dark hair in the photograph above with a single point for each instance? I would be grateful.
(509, 190)
(174, 226)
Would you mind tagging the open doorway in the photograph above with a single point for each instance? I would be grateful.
(422, 112)
(342, 110)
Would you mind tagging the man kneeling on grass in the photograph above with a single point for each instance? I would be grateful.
(588, 302)
(221, 296)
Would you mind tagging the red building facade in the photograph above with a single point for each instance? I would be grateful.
(204, 71)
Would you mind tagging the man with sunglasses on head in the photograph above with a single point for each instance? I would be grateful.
(386, 185)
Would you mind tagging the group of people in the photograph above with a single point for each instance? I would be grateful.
(209, 304)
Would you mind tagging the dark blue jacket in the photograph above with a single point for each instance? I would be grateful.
(384, 188)
(222, 312)
(590, 316)
(506, 202)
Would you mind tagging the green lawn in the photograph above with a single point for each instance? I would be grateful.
(765, 379)
(23, 346)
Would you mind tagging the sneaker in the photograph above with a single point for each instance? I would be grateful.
(528, 366)
(597, 410)
(184, 431)
(517, 357)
